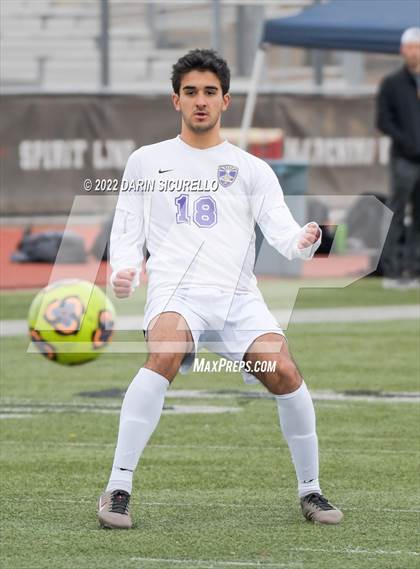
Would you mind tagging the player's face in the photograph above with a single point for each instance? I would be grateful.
(411, 55)
(200, 101)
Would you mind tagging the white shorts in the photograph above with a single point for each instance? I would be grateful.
(222, 323)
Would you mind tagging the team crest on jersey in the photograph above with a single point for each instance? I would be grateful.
(227, 174)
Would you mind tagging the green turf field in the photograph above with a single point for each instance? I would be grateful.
(315, 294)
(215, 490)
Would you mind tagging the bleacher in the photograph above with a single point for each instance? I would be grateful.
(56, 44)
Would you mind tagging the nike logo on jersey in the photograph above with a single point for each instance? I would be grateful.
(163, 171)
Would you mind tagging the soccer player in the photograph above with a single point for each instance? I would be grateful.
(194, 201)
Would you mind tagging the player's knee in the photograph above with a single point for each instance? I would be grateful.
(165, 364)
(286, 377)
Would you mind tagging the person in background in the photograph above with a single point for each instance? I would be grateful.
(398, 116)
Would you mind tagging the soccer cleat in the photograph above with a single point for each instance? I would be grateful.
(113, 510)
(316, 508)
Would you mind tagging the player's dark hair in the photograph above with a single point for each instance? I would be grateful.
(201, 60)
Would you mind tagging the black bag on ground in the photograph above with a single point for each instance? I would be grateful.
(363, 223)
(44, 247)
(100, 247)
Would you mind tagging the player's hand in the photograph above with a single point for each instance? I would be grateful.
(122, 284)
(311, 236)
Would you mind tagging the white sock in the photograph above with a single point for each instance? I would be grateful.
(297, 421)
(140, 414)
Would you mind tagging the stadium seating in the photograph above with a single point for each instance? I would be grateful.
(50, 44)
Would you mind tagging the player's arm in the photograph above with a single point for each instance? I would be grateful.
(276, 221)
(126, 245)
(127, 235)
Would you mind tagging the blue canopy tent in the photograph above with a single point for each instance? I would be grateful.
(351, 25)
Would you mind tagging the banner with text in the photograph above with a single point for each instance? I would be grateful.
(52, 144)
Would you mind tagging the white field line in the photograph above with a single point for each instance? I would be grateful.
(354, 551)
(317, 395)
(227, 448)
(16, 412)
(15, 415)
(330, 551)
(300, 315)
(215, 505)
(212, 564)
(322, 396)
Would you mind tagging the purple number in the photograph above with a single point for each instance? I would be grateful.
(182, 213)
(205, 213)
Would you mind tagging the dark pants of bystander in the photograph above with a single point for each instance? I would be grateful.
(401, 256)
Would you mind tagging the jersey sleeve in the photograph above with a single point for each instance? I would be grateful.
(273, 216)
(128, 234)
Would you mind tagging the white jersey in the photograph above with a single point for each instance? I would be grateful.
(196, 210)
